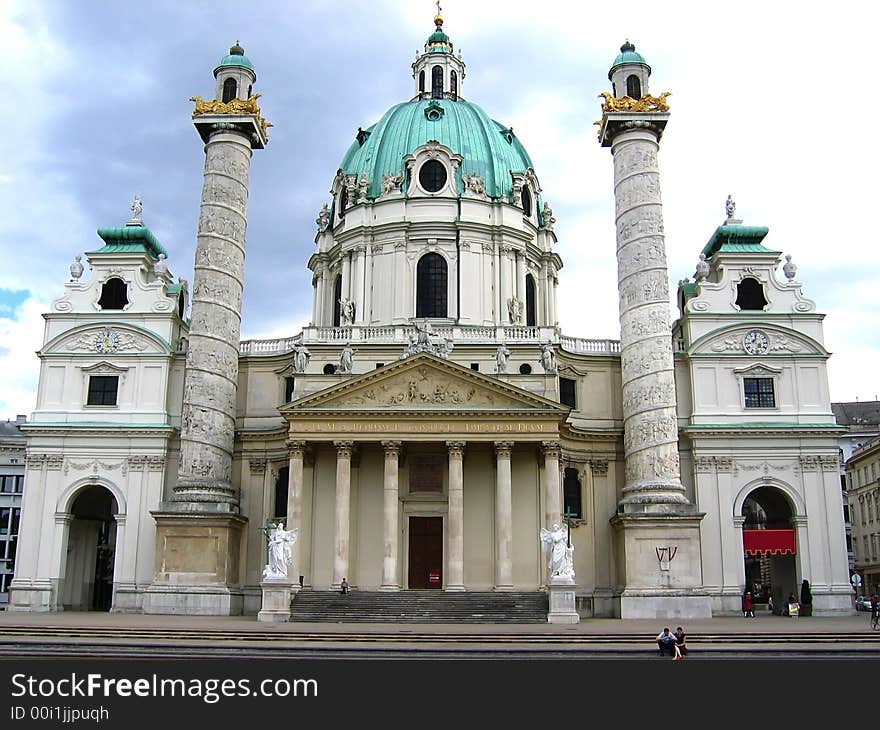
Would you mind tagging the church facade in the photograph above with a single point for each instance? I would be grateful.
(432, 418)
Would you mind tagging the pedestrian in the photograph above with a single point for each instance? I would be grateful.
(794, 607)
(770, 604)
(681, 649)
(666, 642)
(748, 609)
(343, 587)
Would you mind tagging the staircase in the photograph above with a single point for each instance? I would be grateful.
(419, 607)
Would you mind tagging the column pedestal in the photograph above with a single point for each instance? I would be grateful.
(276, 601)
(562, 601)
(662, 566)
(197, 565)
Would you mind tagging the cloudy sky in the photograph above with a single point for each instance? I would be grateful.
(769, 103)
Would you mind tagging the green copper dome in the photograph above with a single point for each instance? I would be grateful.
(235, 57)
(628, 55)
(488, 148)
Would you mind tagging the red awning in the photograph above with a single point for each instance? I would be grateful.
(768, 542)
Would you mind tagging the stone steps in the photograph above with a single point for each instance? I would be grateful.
(425, 607)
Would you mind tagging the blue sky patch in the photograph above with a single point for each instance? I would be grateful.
(10, 300)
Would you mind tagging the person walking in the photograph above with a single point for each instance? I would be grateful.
(748, 608)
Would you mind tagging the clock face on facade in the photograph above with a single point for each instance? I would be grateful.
(756, 342)
(106, 341)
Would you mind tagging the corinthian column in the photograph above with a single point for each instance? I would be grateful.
(552, 493)
(650, 424)
(503, 518)
(343, 497)
(455, 519)
(296, 453)
(391, 505)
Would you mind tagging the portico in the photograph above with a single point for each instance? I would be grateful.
(423, 438)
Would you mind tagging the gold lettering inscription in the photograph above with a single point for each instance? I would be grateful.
(381, 427)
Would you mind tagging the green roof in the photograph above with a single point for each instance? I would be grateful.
(689, 289)
(627, 55)
(130, 239)
(736, 238)
(461, 126)
(235, 60)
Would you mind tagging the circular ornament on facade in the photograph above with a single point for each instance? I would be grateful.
(432, 176)
(107, 341)
(756, 342)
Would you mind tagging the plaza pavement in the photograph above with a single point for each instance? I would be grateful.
(92, 632)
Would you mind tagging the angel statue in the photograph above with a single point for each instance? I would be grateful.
(561, 553)
(280, 543)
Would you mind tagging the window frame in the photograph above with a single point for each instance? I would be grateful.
(762, 395)
(92, 379)
(434, 290)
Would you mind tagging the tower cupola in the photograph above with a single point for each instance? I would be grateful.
(438, 72)
(629, 73)
(235, 76)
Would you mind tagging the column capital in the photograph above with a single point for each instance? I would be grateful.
(257, 465)
(344, 449)
(297, 448)
(503, 449)
(456, 449)
(551, 449)
(392, 448)
(599, 466)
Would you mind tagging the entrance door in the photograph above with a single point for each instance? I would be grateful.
(425, 552)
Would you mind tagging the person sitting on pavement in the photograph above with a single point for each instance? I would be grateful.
(681, 647)
(666, 642)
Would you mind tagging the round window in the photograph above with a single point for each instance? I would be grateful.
(525, 369)
(432, 176)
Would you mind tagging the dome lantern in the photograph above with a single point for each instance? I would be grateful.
(235, 75)
(438, 72)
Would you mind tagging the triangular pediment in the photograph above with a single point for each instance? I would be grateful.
(424, 382)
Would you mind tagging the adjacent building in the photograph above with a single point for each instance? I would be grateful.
(12, 460)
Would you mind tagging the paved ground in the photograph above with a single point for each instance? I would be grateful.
(131, 635)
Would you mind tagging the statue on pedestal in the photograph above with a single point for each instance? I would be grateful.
(280, 543)
(301, 356)
(561, 552)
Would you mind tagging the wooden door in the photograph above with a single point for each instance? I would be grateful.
(425, 552)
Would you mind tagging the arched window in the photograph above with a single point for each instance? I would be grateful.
(453, 84)
(437, 82)
(422, 81)
(181, 305)
(431, 286)
(114, 294)
(527, 202)
(531, 319)
(571, 493)
(633, 87)
(343, 201)
(337, 295)
(750, 295)
(230, 89)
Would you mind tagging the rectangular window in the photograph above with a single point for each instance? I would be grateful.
(849, 546)
(568, 392)
(289, 385)
(14, 521)
(4, 520)
(475, 366)
(846, 513)
(759, 392)
(426, 473)
(102, 390)
(571, 490)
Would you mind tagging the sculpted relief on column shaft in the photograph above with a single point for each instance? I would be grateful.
(650, 429)
(635, 156)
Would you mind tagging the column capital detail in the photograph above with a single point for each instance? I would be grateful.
(599, 466)
(392, 448)
(297, 447)
(456, 449)
(551, 448)
(257, 465)
(344, 449)
(503, 449)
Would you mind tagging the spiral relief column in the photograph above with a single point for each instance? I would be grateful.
(655, 517)
(198, 531)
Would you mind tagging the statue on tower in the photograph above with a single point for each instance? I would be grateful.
(137, 207)
(730, 207)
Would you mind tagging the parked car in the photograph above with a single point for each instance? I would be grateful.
(863, 603)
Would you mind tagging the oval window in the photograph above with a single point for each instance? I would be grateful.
(432, 176)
